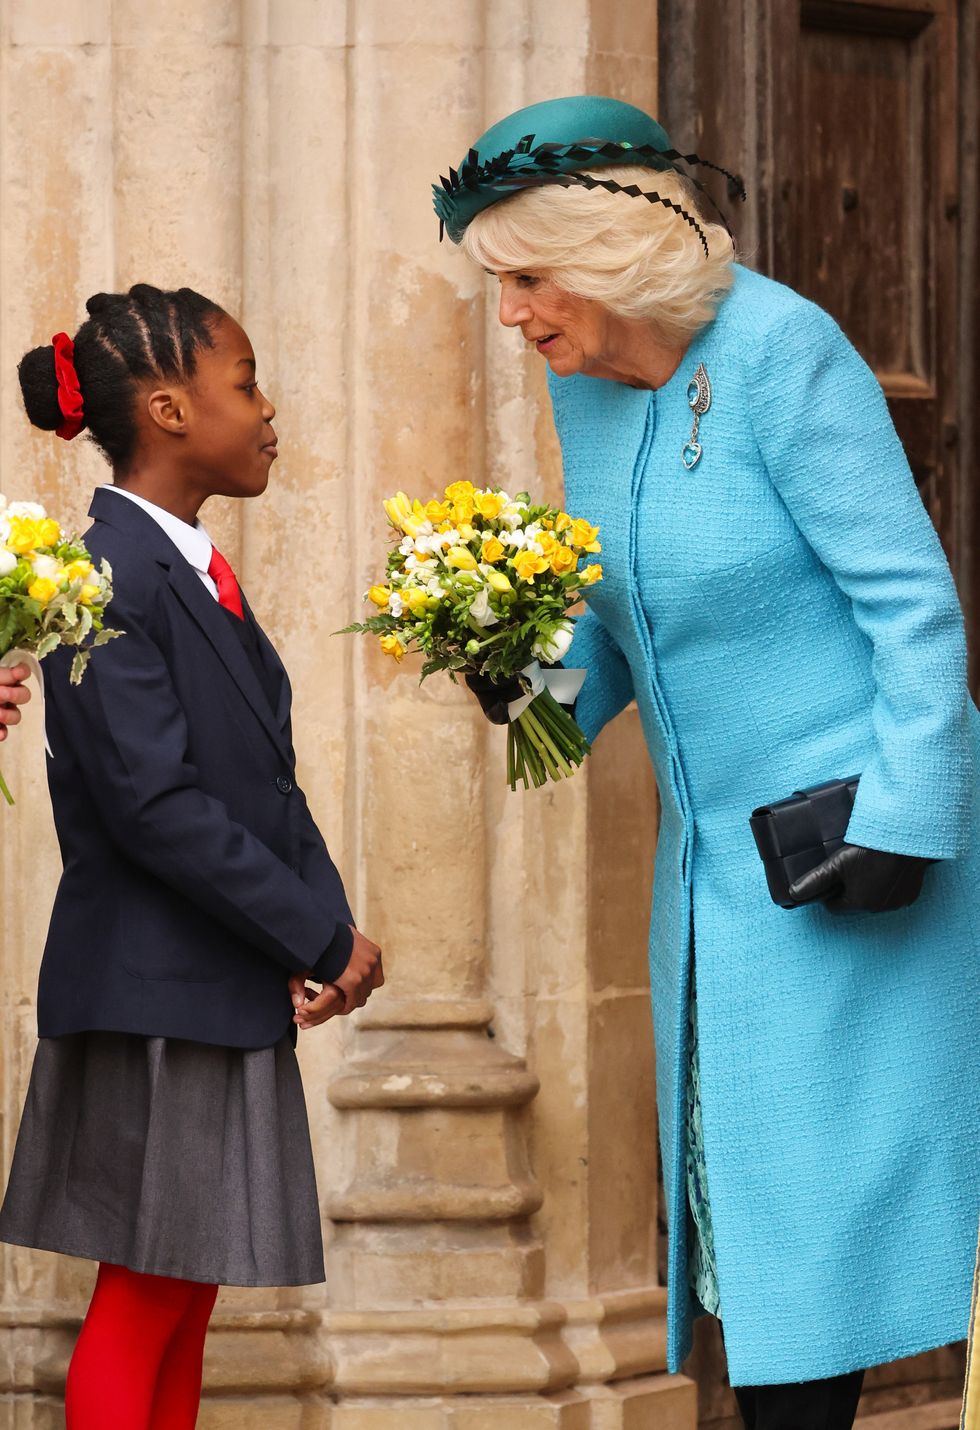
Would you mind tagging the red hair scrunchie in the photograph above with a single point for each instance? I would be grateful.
(69, 392)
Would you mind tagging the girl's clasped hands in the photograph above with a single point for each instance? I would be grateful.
(352, 989)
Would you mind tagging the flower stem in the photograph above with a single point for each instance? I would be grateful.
(540, 743)
(557, 758)
(5, 791)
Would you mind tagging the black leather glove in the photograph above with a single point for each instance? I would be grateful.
(855, 879)
(494, 696)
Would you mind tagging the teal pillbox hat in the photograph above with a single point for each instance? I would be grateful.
(551, 143)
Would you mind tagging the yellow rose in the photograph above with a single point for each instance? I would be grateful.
(391, 645)
(488, 504)
(492, 550)
(463, 512)
(562, 521)
(548, 544)
(48, 532)
(461, 557)
(499, 582)
(529, 564)
(460, 492)
(583, 534)
(76, 570)
(591, 574)
(415, 599)
(437, 511)
(42, 590)
(379, 595)
(88, 594)
(563, 559)
(23, 535)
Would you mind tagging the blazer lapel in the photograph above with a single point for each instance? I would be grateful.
(138, 525)
(204, 609)
(270, 657)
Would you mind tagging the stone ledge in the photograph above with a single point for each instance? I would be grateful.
(394, 1085)
(419, 1199)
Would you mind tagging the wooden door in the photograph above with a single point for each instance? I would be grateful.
(853, 125)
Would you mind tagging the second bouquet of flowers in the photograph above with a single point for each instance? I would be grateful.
(50, 595)
(480, 583)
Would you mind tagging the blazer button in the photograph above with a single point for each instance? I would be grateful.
(284, 784)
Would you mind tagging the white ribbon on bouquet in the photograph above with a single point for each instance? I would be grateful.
(24, 657)
(564, 685)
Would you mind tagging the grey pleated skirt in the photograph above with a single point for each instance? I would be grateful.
(168, 1157)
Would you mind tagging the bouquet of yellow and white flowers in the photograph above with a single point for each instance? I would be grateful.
(480, 583)
(50, 594)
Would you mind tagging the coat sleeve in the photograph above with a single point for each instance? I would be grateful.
(608, 687)
(318, 870)
(128, 732)
(829, 446)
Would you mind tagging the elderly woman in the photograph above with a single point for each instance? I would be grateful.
(777, 603)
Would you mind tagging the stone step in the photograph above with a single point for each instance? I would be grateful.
(938, 1415)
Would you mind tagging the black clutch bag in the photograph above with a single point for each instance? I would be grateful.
(796, 834)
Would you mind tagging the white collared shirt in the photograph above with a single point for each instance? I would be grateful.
(192, 542)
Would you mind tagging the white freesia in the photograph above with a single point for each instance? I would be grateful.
(27, 508)
(8, 561)
(48, 568)
(516, 540)
(554, 647)
(512, 515)
(480, 609)
(395, 604)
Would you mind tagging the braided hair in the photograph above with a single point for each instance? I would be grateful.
(127, 338)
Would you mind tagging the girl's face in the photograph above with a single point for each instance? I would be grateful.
(572, 333)
(230, 441)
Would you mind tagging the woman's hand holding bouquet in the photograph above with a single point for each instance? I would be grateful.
(480, 583)
(50, 594)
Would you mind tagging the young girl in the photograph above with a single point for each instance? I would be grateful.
(165, 1131)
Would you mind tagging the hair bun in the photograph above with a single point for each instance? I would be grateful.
(39, 385)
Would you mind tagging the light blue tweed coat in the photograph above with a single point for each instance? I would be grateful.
(783, 614)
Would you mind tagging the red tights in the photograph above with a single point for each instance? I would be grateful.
(137, 1364)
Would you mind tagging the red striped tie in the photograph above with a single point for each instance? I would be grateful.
(224, 578)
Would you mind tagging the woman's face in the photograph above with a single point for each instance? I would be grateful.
(572, 333)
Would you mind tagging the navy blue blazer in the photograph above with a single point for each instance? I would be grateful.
(195, 880)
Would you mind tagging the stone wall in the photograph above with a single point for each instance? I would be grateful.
(485, 1129)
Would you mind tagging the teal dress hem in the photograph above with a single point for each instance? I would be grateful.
(701, 1266)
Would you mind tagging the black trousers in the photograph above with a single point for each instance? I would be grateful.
(809, 1405)
(803, 1405)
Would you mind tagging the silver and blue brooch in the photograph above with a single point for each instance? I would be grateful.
(699, 400)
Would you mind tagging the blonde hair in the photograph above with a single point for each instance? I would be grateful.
(640, 259)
